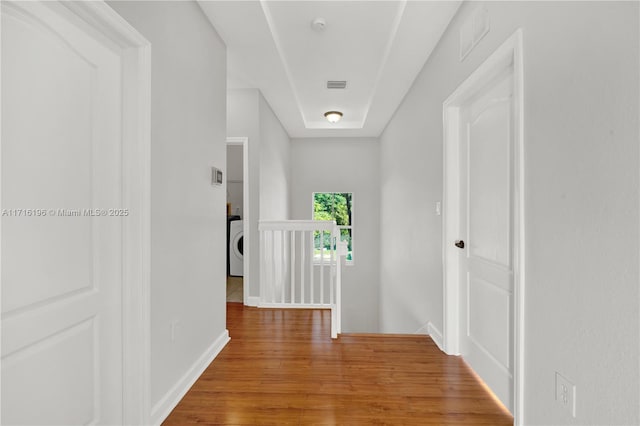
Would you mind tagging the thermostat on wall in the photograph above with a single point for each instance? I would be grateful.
(216, 176)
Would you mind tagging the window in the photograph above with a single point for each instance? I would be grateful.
(336, 206)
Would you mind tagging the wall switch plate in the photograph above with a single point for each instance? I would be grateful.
(438, 208)
(566, 394)
(216, 176)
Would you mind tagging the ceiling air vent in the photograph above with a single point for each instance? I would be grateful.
(335, 84)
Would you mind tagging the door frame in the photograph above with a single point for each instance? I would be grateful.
(246, 265)
(103, 23)
(509, 54)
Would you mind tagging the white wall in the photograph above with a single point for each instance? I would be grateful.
(249, 115)
(234, 178)
(275, 147)
(188, 227)
(345, 165)
(581, 142)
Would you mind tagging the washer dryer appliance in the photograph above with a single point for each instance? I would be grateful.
(236, 237)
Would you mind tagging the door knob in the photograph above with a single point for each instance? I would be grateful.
(459, 244)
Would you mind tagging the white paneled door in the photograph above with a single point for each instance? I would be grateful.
(486, 228)
(61, 220)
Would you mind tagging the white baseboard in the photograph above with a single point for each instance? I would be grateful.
(253, 301)
(163, 408)
(436, 335)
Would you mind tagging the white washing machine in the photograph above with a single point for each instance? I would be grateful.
(236, 237)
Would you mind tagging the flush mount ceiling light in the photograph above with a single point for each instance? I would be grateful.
(333, 116)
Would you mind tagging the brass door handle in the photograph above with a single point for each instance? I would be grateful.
(459, 244)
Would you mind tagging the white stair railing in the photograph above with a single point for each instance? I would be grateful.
(300, 266)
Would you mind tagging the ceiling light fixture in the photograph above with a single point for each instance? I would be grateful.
(333, 116)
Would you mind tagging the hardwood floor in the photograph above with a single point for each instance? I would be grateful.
(282, 368)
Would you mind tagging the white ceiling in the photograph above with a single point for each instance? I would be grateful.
(378, 47)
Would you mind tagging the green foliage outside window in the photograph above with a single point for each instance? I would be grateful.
(336, 206)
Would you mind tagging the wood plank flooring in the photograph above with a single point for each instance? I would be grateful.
(282, 368)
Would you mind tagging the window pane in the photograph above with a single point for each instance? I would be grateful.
(323, 206)
(338, 207)
(348, 207)
(333, 206)
(345, 235)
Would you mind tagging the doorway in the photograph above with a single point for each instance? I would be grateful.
(484, 223)
(238, 215)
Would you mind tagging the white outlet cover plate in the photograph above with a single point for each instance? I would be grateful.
(566, 393)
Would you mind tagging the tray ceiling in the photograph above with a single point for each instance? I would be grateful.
(377, 47)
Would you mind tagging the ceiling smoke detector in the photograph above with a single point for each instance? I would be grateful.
(333, 116)
(318, 24)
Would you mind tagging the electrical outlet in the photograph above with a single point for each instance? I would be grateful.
(566, 393)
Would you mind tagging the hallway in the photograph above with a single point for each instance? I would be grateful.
(281, 367)
(115, 124)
